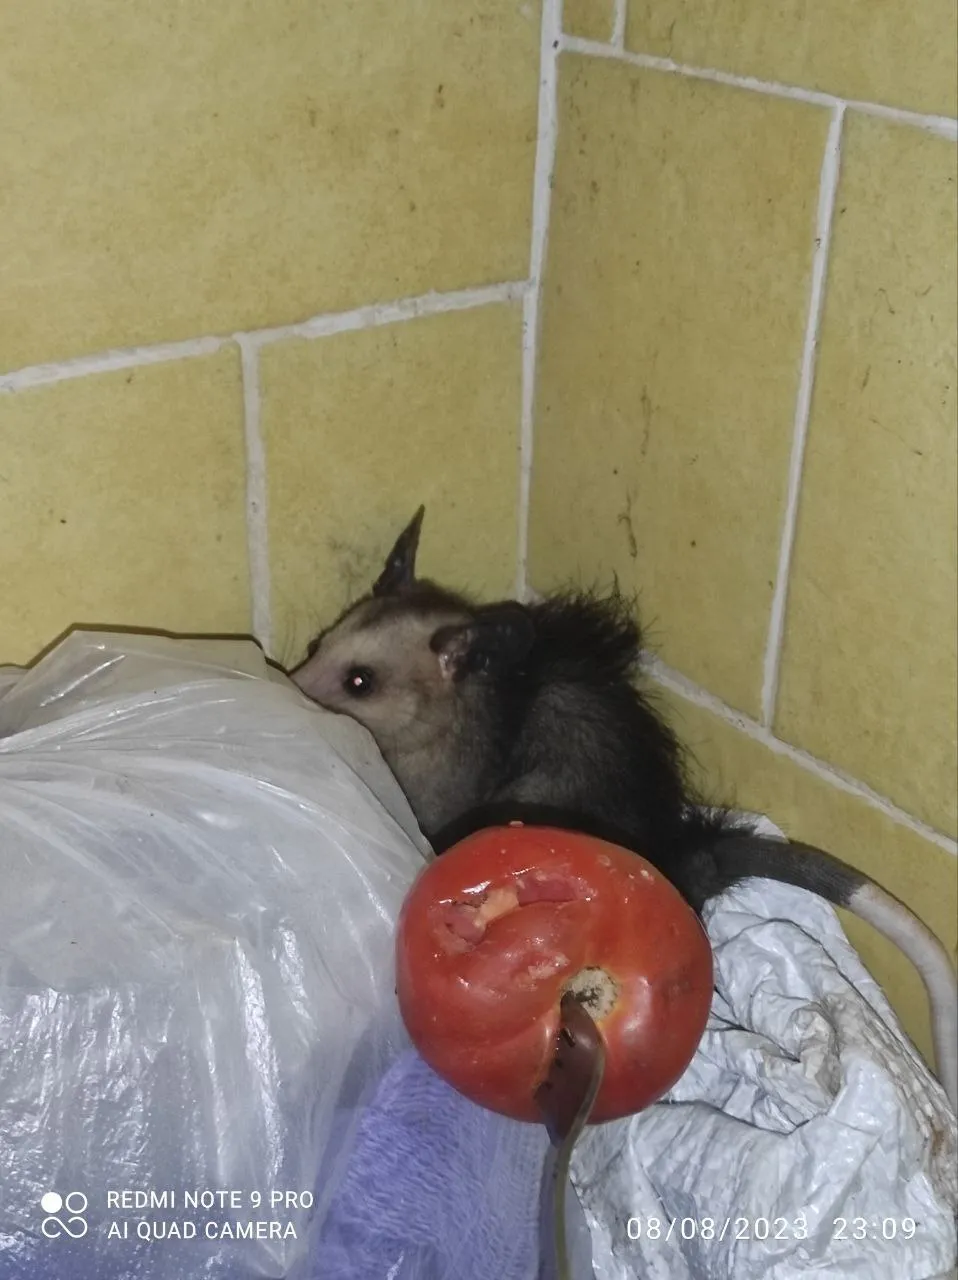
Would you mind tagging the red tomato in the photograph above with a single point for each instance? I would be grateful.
(495, 931)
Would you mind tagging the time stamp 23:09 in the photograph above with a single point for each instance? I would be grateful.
(742, 1228)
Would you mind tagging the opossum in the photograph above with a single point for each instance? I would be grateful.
(488, 713)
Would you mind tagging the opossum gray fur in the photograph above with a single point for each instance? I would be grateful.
(492, 712)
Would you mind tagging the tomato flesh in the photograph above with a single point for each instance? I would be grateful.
(495, 931)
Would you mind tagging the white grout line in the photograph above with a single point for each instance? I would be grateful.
(944, 126)
(700, 697)
(108, 362)
(618, 23)
(828, 186)
(547, 132)
(530, 335)
(256, 530)
(367, 317)
(382, 313)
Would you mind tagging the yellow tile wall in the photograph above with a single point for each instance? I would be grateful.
(122, 502)
(873, 608)
(675, 302)
(590, 19)
(727, 761)
(746, 406)
(361, 428)
(876, 50)
(188, 169)
(182, 185)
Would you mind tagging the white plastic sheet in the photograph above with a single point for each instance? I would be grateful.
(807, 1138)
(200, 879)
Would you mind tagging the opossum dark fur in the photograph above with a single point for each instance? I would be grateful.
(492, 712)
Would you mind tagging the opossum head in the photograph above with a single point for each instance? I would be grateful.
(410, 660)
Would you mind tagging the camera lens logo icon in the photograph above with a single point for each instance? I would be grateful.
(64, 1215)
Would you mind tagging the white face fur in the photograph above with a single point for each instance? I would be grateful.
(382, 671)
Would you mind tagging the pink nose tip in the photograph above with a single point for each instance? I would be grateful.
(315, 684)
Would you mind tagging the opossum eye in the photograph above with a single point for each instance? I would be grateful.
(312, 647)
(359, 681)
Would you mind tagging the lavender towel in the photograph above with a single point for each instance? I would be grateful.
(436, 1189)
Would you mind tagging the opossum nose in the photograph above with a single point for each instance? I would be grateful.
(319, 682)
(306, 680)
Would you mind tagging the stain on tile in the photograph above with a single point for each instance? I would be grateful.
(171, 171)
(674, 310)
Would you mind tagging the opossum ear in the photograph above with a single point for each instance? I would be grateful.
(399, 572)
(498, 637)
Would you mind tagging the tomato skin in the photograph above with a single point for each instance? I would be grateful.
(480, 998)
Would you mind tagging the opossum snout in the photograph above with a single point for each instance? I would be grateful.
(317, 681)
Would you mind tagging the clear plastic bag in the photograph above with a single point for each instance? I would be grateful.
(201, 875)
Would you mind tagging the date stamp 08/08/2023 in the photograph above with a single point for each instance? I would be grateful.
(796, 1227)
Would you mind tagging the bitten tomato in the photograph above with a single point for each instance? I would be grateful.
(495, 931)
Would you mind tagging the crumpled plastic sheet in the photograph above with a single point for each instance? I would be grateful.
(201, 879)
(201, 875)
(807, 1137)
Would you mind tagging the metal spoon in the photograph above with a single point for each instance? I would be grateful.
(566, 1098)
